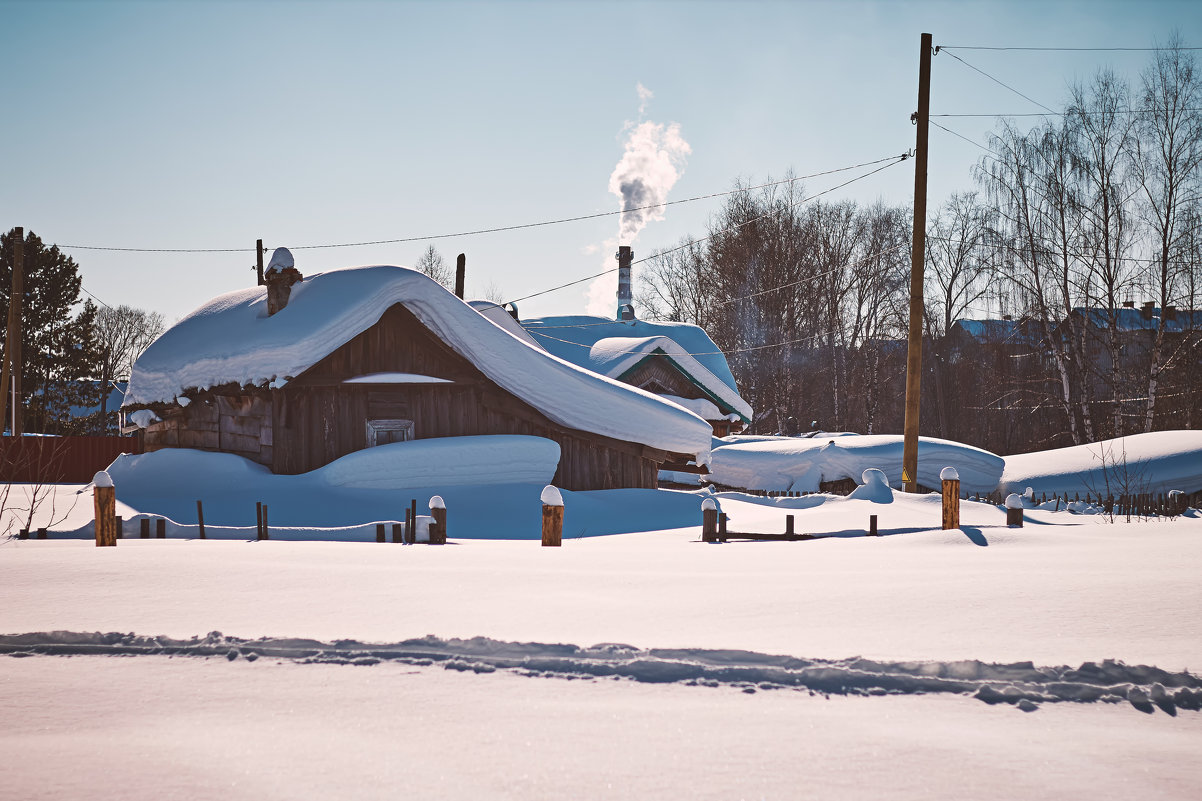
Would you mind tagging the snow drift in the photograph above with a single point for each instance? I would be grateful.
(801, 464)
(1156, 462)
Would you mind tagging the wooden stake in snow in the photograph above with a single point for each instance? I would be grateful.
(552, 516)
(105, 496)
(438, 531)
(709, 520)
(200, 519)
(1014, 510)
(951, 497)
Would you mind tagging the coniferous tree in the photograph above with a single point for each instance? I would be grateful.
(58, 344)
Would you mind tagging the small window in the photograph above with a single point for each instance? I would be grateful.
(381, 432)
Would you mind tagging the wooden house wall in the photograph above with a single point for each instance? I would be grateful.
(239, 424)
(318, 418)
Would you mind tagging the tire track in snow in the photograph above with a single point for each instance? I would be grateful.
(1021, 684)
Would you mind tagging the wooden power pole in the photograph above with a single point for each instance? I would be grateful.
(10, 375)
(917, 261)
(259, 259)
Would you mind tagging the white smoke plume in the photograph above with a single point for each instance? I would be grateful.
(654, 159)
(645, 96)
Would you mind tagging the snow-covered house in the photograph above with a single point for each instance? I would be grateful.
(347, 359)
(676, 361)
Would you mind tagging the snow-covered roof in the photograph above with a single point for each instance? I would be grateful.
(1127, 319)
(613, 347)
(231, 339)
(1001, 332)
(500, 316)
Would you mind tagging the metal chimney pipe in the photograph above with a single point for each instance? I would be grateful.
(625, 256)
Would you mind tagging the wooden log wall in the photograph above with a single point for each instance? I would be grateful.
(228, 423)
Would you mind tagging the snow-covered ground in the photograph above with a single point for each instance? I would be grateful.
(1055, 660)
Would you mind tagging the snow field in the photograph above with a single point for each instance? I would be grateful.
(155, 727)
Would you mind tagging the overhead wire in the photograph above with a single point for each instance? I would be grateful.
(1069, 49)
(692, 242)
(1000, 82)
(496, 229)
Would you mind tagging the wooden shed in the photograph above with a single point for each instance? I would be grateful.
(437, 369)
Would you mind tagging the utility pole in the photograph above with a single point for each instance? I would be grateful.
(10, 374)
(917, 263)
(259, 259)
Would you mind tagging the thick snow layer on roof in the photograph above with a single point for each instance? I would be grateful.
(232, 340)
(1156, 462)
(499, 315)
(612, 347)
(698, 406)
(801, 464)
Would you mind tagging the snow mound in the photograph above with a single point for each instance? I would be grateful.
(281, 259)
(231, 339)
(875, 488)
(801, 464)
(1156, 462)
(448, 462)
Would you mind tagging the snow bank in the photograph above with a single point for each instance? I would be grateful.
(490, 486)
(1156, 462)
(232, 340)
(449, 462)
(800, 464)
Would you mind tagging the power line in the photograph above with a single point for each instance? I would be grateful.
(965, 138)
(497, 229)
(748, 349)
(1000, 83)
(690, 243)
(1070, 49)
(1074, 113)
(93, 297)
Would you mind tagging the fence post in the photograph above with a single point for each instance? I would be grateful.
(200, 519)
(789, 525)
(1014, 510)
(721, 527)
(266, 533)
(950, 479)
(258, 520)
(120, 528)
(872, 529)
(552, 516)
(379, 532)
(104, 495)
(160, 528)
(438, 531)
(709, 520)
(411, 527)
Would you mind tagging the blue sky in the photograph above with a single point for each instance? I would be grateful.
(209, 125)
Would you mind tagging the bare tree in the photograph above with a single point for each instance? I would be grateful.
(432, 264)
(1169, 170)
(122, 333)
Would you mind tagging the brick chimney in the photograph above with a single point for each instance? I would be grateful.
(625, 301)
(280, 275)
(1146, 311)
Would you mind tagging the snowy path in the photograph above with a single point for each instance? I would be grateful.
(154, 727)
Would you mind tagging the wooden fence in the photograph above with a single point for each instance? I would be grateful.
(60, 460)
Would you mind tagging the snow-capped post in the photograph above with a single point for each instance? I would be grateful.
(438, 511)
(552, 516)
(1014, 510)
(709, 520)
(105, 496)
(950, 478)
(280, 276)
